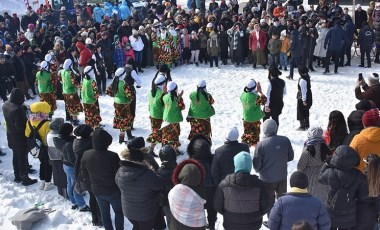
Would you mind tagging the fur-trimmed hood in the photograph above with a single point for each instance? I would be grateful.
(185, 173)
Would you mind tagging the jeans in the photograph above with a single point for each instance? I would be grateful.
(273, 59)
(104, 202)
(212, 60)
(138, 58)
(74, 197)
(194, 56)
(283, 60)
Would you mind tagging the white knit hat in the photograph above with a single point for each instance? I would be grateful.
(44, 65)
(67, 64)
(373, 79)
(159, 79)
(88, 41)
(283, 33)
(358, 6)
(48, 57)
(201, 84)
(233, 134)
(251, 84)
(262, 20)
(171, 86)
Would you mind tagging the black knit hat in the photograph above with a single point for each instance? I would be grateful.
(83, 131)
(299, 180)
(66, 129)
(363, 104)
(137, 143)
(133, 154)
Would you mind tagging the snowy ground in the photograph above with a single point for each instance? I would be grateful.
(332, 92)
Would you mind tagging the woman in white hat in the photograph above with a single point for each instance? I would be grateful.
(46, 87)
(90, 95)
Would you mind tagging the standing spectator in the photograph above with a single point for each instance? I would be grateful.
(296, 45)
(333, 43)
(349, 30)
(360, 16)
(347, 186)
(84, 55)
(366, 39)
(376, 25)
(313, 156)
(137, 46)
(213, 49)
(270, 160)
(223, 163)
(236, 35)
(6, 73)
(285, 45)
(257, 41)
(106, 45)
(336, 131)
(304, 98)
(371, 90)
(355, 125)
(20, 72)
(213, 6)
(298, 204)
(242, 189)
(223, 41)
(195, 46)
(274, 46)
(313, 36)
(100, 166)
(320, 51)
(15, 116)
(140, 188)
(203, 57)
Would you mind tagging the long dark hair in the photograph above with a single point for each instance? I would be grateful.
(373, 174)
(173, 93)
(201, 90)
(338, 128)
(325, 151)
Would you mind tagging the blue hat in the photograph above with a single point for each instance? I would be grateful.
(243, 162)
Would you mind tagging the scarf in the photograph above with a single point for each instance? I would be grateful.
(298, 190)
(38, 116)
(187, 206)
(314, 141)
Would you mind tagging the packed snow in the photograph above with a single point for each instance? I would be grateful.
(330, 92)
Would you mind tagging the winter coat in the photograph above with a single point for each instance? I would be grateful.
(165, 172)
(19, 67)
(366, 142)
(242, 200)
(224, 44)
(311, 166)
(360, 17)
(136, 43)
(14, 112)
(99, 166)
(355, 125)
(370, 93)
(376, 26)
(274, 46)
(223, 161)
(84, 54)
(65, 145)
(276, 95)
(296, 206)
(106, 45)
(119, 57)
(213, 47)
(56, 162)
(296, 43)
(80, 145)
(285, 44)
(319, 50)
(195, 44)
(334, 38)
(349, 30)
(271, 155)
(366, 38)
(340, 173)
(98, 14)
(253, 42)
(140, 189)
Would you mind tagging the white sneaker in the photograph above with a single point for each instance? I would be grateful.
(48, 186)
(42, 185)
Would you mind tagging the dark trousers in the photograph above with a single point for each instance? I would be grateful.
(23, 85)
(3, 90)
(310, 57)
(274, 117)
(114, 200)
(335, 55)
(203, 55)
(20, 162)
(142, 225)
(209, 206)
(168, 214)
(366, 53)
(109, 66)
(275, 190)
(377, 53)
(95, 210)
(346, 51)
(305, 56)
(212, 60)
(274, 59)
(101, 81)
(294, 61)
(138, 58)
(46, 170)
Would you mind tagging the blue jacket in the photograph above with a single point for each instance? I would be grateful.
(108, 9)
(296, 43)
(335, 38)
(349, 30)
(292, 207)
(366, 38)
(125, 11)
(98, 14)
(118, 11)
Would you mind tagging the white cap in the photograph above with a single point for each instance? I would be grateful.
(373, 79)
(159, 79)
(84, 33)
(141, 27)
(135, 32)
(201, 84)
(88, 41)
(196, 11)
(67, 64)
(120, 72)
(171, 86)
(251, 84)
(90, 71)
(48, 57)
(233, 134)
(283, 33)
(44, 65)
(262, 20)
(209, 25)
(358, 6)
(155, 21)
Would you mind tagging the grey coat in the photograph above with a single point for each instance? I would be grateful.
(311, 166)
(319, 50)
(272, 154)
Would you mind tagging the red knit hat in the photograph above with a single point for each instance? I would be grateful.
(371, 118)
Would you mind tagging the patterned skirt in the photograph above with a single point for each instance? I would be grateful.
(92, 114)
(156, 135)
(73, 105)
(200, 126)
(123, 117)
(50, 99)
(156, 53)
(170, 135)
(251, 134)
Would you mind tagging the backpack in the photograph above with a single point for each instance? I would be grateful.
(24, 219)
(34, 139)
(343, 201)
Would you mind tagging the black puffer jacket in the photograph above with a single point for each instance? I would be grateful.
(140, 189)
(80, 145)
(15, 116)
(65, 145)
(246, 203)
(168, 163)
(339, 173)
(223, 162)
(99, 166)
(355, 125)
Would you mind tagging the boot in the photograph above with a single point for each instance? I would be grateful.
(26, 181)
(121, 139)
(129, 135)
(302, 126)
(254, 66)
(307, 123)
(326, 71)
(48, 186)
(42, 185)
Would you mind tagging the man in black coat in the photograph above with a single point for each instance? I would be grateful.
(6, 76)
(15, 116)
(20, 72)
(100, 166)
(365, 40)
(333, 43)
(296, 47)
(106, 45)
(223, 162)
(360, 16)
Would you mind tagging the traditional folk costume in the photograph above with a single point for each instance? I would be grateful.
(123, 96)
(70, 90)
(156, 109)
(176, 43)
(304, 98)
(164, 42)
(251, 100)
(173, 104)
(90, 95)
(46, 87)
(200, 111)
(132, 78)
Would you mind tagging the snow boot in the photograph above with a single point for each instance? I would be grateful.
(42, 185)
(302, 126)
(121, 139)
(85, 209)
(48, 186)
(28, 181)
(129, 134)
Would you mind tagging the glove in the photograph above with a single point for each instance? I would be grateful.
(139, 86)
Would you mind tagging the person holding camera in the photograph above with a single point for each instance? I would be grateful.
(371, 89)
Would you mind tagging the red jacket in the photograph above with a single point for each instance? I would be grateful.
(253, 40)
(84, 54)
(278, 12)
